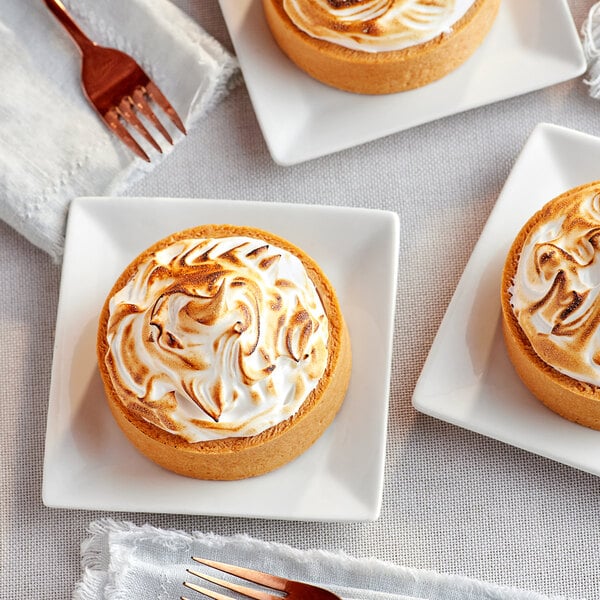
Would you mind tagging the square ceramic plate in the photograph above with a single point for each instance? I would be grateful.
(88, 461)
(468, 379)
(533, 44)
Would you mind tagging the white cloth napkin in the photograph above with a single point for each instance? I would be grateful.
(123, 561)
(53, 147)
(590, 34)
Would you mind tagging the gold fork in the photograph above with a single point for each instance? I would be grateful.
(118, 88)
(293, 590)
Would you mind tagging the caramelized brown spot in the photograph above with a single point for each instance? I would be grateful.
(558, 283)
(284, 283)
(277, 330)
(258, 251)
(343, 3)
(301, 319)
(371, 28)
(216, 393)
(301, 316)
(173, 342)
(201, 276)
(140, 374)
(277, 303)
(204, 257)
(268, 262)
(231, 255)
(160, 273)
(575, 303)
(126, 309)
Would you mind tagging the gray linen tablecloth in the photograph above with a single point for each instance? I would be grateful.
(453, 501)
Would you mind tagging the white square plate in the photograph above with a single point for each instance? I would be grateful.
(533, 44)
(468, 379)
(90, 464)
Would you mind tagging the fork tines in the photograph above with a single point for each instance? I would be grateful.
(126, 112)
(117, 87)
(265, 579)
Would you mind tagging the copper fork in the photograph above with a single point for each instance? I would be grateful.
(118, 88)
(292, 590)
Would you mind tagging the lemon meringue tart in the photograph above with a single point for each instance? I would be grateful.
(551, 304)
(223, 352)
(379, 46)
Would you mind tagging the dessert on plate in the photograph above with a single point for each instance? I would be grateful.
(551, 304)
(379, 46)
(223, 352)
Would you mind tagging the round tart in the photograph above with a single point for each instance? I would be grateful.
(223, 352)
(551, 304)
(379, 46)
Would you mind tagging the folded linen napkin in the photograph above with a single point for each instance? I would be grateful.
(121, 560)
(53, 147)
(590, 34)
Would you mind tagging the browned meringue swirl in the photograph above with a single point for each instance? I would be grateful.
(556, 290)
(375, 25)
(217, 337)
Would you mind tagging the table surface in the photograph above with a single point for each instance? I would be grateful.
(453, 501)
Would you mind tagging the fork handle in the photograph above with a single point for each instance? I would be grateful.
(60, 12)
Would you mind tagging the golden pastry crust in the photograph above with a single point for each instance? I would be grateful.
(382, 72)
(240, 457)
(572, 399)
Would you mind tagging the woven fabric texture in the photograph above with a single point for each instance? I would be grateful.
(454, 501)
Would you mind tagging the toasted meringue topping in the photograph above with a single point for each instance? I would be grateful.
(216, 338)
(376, 25)
(555, 293)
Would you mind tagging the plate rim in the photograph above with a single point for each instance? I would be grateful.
(363, 510)
(574, 57)
(423, 400)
